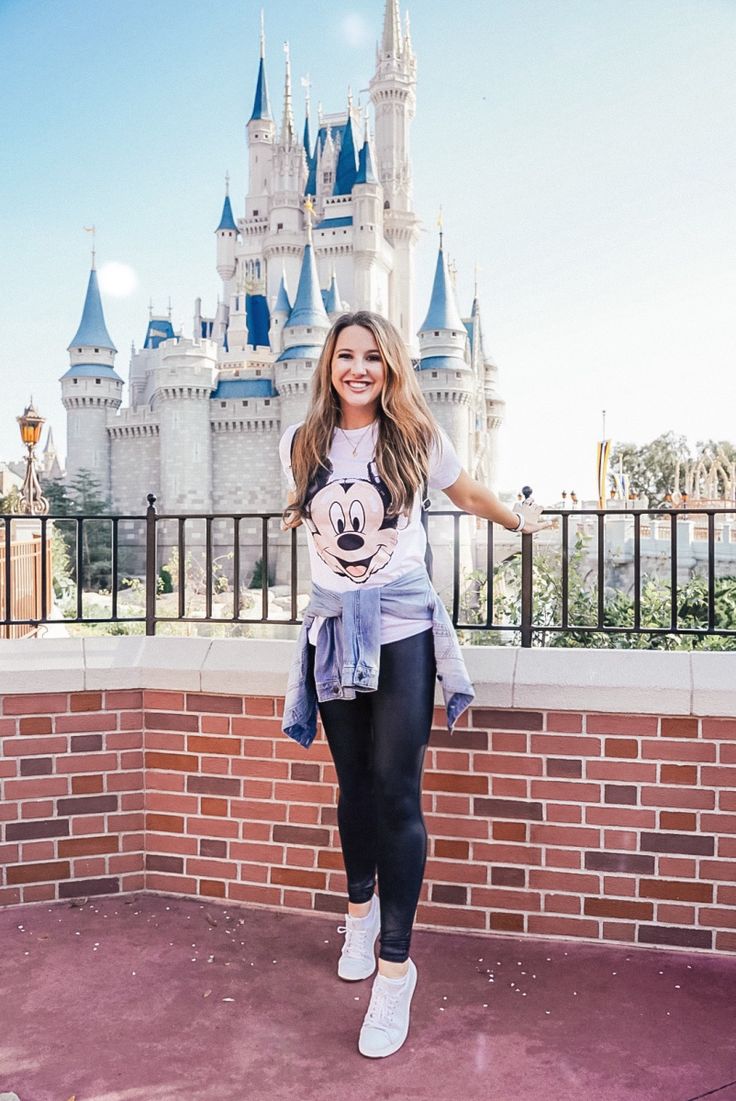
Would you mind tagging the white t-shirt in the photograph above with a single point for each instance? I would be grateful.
(351, 540)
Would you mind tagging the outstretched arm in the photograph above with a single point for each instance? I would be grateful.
(473, 497)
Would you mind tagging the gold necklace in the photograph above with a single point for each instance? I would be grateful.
(360, 438)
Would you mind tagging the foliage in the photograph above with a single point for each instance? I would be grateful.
(10, 503)
(256, 581)
(83, 496)
(651, 468)
(618, 607)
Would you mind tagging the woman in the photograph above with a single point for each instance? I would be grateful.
(375, 633)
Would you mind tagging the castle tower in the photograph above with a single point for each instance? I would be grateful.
(393, 93)
(182, 382)
(91, 391)
(303, 337)
(280, 315)
(490, 406)
(332, 300)
(368, 239)
(261, 132)
(445, 375)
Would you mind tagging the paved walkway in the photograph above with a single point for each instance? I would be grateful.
(150, 998)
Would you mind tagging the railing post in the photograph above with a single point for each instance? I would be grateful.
(526, 590)
(151, 566)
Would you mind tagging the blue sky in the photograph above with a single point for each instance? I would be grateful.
(583, 151)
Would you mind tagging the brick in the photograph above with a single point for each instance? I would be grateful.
(171, 803)
(719, 918)
(670, 934)
(89, 846)
(331, 904)
(36, 787)
(299, 770)
(257, 728)
(663, 750)
(449, 894)
(210, 805)
(262, 894)
(508, 877)
(83, 887)
(446, 871)
(718, 823)
(687, 798)
(621, 839)
(24, 831)
(94, 722)
(298, 877)
(507, 720)
(620, 885)
(36, 724)
(259, 705)
(612, 815)
(619, 862)
(553, 925)
(211, 744)
(200, 701)
(86, 743)
(718, 869)
(633, 725)
(213, 785)
(504, 741)
(680, 728)
(621, 793)
(94, 804)
(207, 868)
(508, 808)
(290, 791)
(636, 772)
(30, 747)
(163, 701)
(299, 813)
(565, 745)
(85, 701)
(618, 908)
(164, 823)
(573, 882)
(621, 747)
(678, 774)
(162, 720)
(718, 777)
(211, 888)
(210, 847)
(559, 789)
(88, 785)
(459, 739)
(700, 845)
(567, 767)
(506, 787)
(301, 835)
(509, 831)
(502, 898)
(124, 699)
(172, 762)
(451, 826)
(38, 703)
(562, 904)
(677, 820)
(38, 873)
(564, 812)
(678, 889)
(564, 722)
(452, 850)
(450, 916)
(499, 764)
(36, 808)
(578, 836)
(214, 724)
(453, 781)
(507, 923)
(36, 766)
(327, 858)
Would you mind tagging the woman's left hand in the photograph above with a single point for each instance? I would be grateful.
(531, 513)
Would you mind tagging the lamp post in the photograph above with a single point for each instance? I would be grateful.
(32, 500)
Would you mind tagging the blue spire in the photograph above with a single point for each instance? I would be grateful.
(443, 312)
(366, 175)
(261, 106)
(306, 140)
(308, 308)
(227, 221)
(283, 305)
(332, 297)
(346, 168)
(92, 331)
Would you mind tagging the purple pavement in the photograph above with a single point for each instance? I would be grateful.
(151, 998)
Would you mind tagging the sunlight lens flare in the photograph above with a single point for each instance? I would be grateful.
(118, 280)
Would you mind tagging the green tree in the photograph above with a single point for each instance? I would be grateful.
(651, 467)
(82, 496)
(10, 503)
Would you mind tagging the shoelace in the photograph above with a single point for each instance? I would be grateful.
(383, 1005)
(356, 941)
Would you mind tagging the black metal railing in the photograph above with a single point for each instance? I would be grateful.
(492, 581)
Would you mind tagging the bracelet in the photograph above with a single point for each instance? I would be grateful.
(520, 525)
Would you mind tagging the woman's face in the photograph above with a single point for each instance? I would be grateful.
(358, 375)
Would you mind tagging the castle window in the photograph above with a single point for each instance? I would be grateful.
(434, 374)
(267, 401)
(255, 213)
(79, 349)
(97, 349)
(98, 381)
(244, 403)
(457, 374)
(279, 225)
(75, 381)
(436, 332)
(258, 373)
(223, 404)
(309, 330)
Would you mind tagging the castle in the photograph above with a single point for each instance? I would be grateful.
(328, 225)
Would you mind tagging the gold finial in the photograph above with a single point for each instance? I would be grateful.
(93, 231)
(309, 212)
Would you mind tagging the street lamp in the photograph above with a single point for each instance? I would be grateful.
(32, 500)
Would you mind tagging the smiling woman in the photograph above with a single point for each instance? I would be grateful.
(117, 279)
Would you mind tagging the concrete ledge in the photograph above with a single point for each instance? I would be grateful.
(643, 681)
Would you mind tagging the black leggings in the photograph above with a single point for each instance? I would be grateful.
(377, 742)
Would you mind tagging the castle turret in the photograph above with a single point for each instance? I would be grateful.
(261, 131)
(91, 391)
(393, 93)
(227, 239)
(445, 375)
(303, 337)
(490, 407)
(280, 315)
(331, 297)
(369, 273)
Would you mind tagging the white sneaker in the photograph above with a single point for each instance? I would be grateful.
(358, 956)
(386, 1023)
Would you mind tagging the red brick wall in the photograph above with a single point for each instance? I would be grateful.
(599, 826)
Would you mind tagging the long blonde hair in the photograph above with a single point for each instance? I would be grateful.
(406, 428)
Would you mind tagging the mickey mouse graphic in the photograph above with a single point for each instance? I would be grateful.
(347, 518)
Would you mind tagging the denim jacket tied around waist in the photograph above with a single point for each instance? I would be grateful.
(348, 651)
